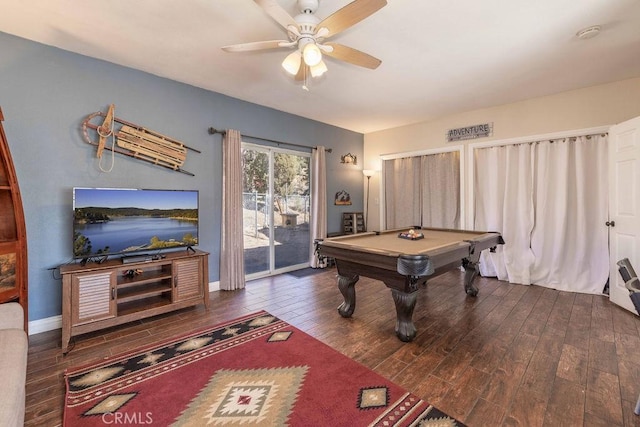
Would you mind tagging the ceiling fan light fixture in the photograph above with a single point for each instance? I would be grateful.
(308, 32)
(318, 70)
(291, 63)
(311, 54)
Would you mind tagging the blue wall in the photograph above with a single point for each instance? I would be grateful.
(45, 94)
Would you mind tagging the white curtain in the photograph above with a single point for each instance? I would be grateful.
(549, 200)
(504, 189)
(232, 244)
(318, 202)
(570, 240)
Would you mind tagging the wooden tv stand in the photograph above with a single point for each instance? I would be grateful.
(100, 295)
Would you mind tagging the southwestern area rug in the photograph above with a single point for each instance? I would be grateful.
(256, 370)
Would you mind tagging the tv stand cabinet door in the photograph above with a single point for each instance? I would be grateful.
(188, 279)
(93, 297)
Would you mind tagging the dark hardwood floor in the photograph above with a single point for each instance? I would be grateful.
(514, 355)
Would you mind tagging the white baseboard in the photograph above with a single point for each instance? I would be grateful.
(45, 325)
(55, 322)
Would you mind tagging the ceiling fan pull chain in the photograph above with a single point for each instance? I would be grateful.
(305, 82)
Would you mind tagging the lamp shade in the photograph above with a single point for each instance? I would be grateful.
(368, 172)
(292, 62)
(318, 70)
(312, 54)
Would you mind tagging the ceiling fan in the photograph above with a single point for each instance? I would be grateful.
(307, 34)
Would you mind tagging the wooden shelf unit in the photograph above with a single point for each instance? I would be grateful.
(13, 234)
(100, 295)
(352, 222)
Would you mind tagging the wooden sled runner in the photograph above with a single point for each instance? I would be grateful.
(136, 141)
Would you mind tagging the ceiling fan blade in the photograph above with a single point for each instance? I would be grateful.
(352, 56)
(350, 15)
(246, 47)
(275, 11)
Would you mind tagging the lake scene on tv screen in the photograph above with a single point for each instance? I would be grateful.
(115, 221)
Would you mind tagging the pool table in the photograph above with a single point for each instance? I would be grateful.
(404, 264)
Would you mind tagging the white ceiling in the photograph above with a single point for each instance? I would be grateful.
(439, 57)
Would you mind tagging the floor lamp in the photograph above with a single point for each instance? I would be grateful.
(368, 173)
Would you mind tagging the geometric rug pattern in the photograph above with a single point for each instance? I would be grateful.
(256, 370)
(249, 397)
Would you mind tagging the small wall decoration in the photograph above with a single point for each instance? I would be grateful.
(470, 132)
(342, 198)
(349, 159)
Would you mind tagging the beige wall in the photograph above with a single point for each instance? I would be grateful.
(584, 108)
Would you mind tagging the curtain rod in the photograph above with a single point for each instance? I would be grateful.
(552, 140)
(213, 131)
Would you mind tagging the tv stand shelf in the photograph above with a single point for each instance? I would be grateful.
(145, 276)
(141, 292)
(101, 295)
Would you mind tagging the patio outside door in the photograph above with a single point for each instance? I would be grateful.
(276, 210)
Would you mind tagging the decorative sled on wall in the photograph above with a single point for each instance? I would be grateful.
(135, 141)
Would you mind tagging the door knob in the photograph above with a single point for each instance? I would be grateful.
(610, 223)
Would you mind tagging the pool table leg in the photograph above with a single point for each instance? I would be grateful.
(405, 303)
(471, 269)
(347, 288)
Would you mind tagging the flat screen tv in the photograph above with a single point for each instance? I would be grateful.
(116, 221)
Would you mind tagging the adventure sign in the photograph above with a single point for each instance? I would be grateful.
(470, 132)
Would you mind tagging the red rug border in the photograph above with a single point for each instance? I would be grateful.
(162, 343)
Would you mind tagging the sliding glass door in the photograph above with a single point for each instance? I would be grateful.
(276, 210)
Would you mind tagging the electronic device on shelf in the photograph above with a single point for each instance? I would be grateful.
(133, 223)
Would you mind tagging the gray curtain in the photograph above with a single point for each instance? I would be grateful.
(232, 244)
(423, 191)
(318, 202)
(402, 192)
(441, 190)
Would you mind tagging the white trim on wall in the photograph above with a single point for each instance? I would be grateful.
(512, 141)
(438, 150)
(426, 152)
(45, 325)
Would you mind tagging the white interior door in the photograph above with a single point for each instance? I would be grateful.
(624, 199)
